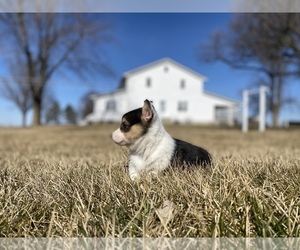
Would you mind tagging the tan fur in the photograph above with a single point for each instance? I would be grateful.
(134, 133)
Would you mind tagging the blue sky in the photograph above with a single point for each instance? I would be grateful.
(141, 38)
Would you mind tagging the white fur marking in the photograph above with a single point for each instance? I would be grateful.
(119, 137)
(152, 152)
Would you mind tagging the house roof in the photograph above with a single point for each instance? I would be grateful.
(163, 61)
(95, 96)
(208, 93)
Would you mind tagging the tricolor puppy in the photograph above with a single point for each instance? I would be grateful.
(152, 149)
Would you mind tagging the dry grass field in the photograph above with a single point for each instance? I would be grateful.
(72, 182)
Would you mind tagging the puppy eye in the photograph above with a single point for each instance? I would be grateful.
(124, 126)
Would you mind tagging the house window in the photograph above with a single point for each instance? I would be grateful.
(148, 82)
(221, 114)
(182, 106)
(162, 106)
(111, 105)
(166, 69)
(182, 84)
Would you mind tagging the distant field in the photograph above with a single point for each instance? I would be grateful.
(72, 182)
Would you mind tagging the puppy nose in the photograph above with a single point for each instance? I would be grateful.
(113, 134)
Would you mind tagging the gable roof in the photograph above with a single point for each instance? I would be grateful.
(208, 93)
(163, 61)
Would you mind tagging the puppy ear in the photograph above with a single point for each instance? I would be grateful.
(147, 111)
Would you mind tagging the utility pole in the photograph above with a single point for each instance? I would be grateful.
(262, 108)
(262, 92)
(245, 111)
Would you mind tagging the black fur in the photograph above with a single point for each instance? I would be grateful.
(186, 154)
(134, 117)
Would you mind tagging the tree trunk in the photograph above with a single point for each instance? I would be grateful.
(276, 84)
(275, 117)
(23, 118)
(36, 112)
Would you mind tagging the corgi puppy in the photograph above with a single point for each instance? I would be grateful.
(152, 149)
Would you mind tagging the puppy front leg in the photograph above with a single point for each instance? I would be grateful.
(133, 173)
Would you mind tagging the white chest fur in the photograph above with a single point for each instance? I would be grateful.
(152, 153)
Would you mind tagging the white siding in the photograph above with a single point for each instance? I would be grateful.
(161, 83)
(165, 86)
(101, 113)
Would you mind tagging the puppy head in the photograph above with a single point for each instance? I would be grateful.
(134, 125)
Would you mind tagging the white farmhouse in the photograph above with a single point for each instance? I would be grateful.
(176, 91)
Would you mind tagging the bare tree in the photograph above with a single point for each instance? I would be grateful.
(45, 43)
(86, 104)
(52, 111)
(16, 90)
(18, 93)
(70, 115)
(268, 44)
